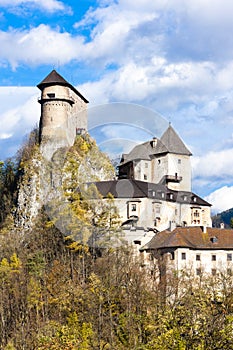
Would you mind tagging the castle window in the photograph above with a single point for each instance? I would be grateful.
(198, 272)
(229, 257)
(145, 177)
(157, 210)
(51, 95)
(159, 161)
(194, 199)
(213, 258)
(185, 198)
(133, 207)
(183, 256)
(198, 257)
(162, 195)
(213, 271)
(171, 195)
(179, 161)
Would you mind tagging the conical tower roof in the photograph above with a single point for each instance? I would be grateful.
(173, 142)
(54, 78)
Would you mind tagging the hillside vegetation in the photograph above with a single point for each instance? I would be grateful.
(58, 291)
(225, 217)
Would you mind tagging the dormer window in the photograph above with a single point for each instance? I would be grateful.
(162, 194)
(194, 199)
(185, 198)
(214, 239)
(171, 195)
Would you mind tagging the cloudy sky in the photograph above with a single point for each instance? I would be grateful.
(174, 57)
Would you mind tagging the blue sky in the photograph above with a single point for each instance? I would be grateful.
(174, 57)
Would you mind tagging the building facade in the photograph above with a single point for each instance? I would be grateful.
(153, 189)
(197, 251)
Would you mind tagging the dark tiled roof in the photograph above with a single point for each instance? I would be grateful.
(55, 78)
(123, 188)
(145, 151)
(129, 188)
(173, 142)
(170, 142)
(193, 238)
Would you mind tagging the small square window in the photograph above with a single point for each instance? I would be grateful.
(198, 272)
(183, 256)
(179, 161)
(213, 257)
(145, 177)
(198, 257)
(229, 257)
(159, 161)
(162, 195)
(133, 207)
(172, 256)
(213, 271)
(51, 95)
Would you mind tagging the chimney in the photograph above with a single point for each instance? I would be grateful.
(204, 229)
(172, 225)
(154, 142)
(222, 225)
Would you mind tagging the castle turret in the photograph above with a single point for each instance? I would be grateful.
(63, 113)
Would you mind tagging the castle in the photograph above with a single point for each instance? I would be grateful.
(160, 214)
(153, 189)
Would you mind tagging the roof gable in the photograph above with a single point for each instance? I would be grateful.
(53, 78)
(173, 142)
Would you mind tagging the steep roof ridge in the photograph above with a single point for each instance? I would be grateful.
(139, 183)
(55, 78)
(173, 142)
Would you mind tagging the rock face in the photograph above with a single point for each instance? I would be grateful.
(44, 182)
(66, 156)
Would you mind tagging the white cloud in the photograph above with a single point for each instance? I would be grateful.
(48, 5)
(214, 165)
(221, 199)
(40, 45)
(17, 120)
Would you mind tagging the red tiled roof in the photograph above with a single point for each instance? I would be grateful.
(192, 237)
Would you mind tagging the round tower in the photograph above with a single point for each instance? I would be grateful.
(63, 111)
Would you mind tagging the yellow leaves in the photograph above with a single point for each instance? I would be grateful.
(13, 265)
(15, 262)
